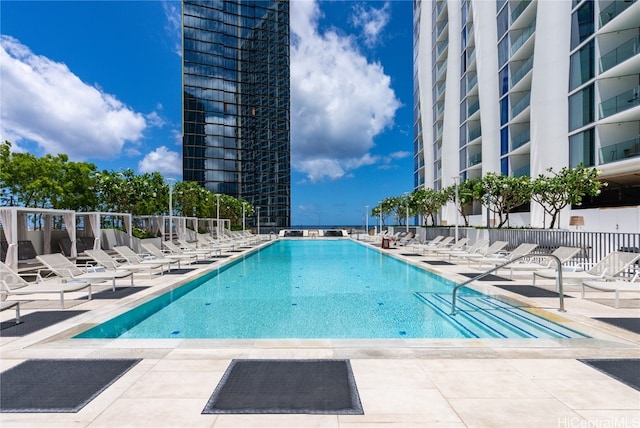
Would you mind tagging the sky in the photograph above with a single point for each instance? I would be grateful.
(101, 82)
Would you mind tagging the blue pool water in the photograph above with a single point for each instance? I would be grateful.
(322, 289)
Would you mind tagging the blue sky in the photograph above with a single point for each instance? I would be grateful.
(101, 82)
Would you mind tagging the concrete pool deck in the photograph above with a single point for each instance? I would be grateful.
(401, 382)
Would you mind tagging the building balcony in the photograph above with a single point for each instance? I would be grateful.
(521, 139)
(474, 160)
(517, 11)
(614, 9)
(624, 101)
(522, 171)
(624, 150)
(525, 68)
(474, 107)
(523, 37)
(521, 105)
(620, 54)
(475, 133)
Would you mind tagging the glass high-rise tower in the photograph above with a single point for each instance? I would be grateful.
(236, 102)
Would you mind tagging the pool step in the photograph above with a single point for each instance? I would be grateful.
(483, 316)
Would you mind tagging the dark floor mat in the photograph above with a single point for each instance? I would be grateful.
(411, 254)
(489, 277)
(626, 371)
(58, 386)
(631, 324)
(437, 262)
(179, 271)
(35, 321)
(286, 386)
(118, 294)
(529, 290)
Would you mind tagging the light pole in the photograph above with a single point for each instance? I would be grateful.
(218, 216)
(258, 208)
(455, 182)
(406, 195)
(171, 180)
(243, 207)
(380, 216)
(366, 222)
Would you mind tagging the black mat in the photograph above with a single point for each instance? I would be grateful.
(35, 321)
(411, 254)
(179, 271)
(626, 371)
(489, 277)
(57, 386)
(529, 290)
(437, 262)
(631, 324)
(286, 386)
(118, 294)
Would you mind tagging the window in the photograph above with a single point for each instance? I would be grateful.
(582, 66)
(504, 140)
(581, 24)
(581, 149)
(581, 108)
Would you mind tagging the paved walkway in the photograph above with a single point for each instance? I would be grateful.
(401, 382)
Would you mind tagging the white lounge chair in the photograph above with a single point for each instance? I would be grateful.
(174, 249)
(428, 244)
(500, 258)
(157, 252)
(482, 253)
(610, 266)
(134, 258)
(617, 286)
(442, 244)
(564, 254)
(14, 284)
(67, 270)
(474, 248)
(453, 247)
(8, 304)
(104, 259)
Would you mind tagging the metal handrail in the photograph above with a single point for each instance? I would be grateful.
(482, 275)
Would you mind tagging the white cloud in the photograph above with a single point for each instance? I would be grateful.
(162, 160)
(339, 100)
(371, 20)
(173, 27)
(44, 102)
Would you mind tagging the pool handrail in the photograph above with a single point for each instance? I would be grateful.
(559, 287)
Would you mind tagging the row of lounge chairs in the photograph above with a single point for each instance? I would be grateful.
(602, 276)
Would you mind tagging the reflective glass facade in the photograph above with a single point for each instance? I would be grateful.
(236, 102)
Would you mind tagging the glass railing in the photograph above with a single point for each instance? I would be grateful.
(624, 150)
(439, 6)
(520, 172)
(522, 71)
(515, 14)
(441, 47)
(440, 26)
(440, 68)
(474, 160)
(471, 55)
(521, 105)
(624, 101)
(614, 9)
(472, 82)
(475, 133)
(473, 108)
(520, 139)
(622, 53)
(439, 109)
(440, 87)
(523, 37)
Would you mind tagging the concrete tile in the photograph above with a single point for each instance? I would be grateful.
(486, 384)
(610, 418)
(276, 421)
(161, 384)
(394, 374)
(593, 394)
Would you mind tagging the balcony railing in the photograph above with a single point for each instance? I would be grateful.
(515, 14)
(440, 26)
(473, 108)
(474, 160)
(624, 101)
(520, 139)
(471, 55)
(523, 37)
(522, 71)
(440, 87)
(614, 9)
(520, 172)
(475, 133)
(521, 105)
(624, 150)
(440, 68)
(622, 53)
(472, 82)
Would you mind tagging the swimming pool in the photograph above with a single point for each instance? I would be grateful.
(322, 289)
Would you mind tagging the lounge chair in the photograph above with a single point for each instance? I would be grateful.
(134, 258)
(207, 242)
(174, 249)
(208, 251)
(104, 259)
(610, 266)
(477, 246)
(501, 258)
(453, 247)
(442, 244)
(8, 304)
(430, 244)
(482, 253)
(406, 239)
(564, 254)
(617, 287)
(14, 284)
(157, 253)
(67, 270)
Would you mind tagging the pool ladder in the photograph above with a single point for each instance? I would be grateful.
(482, 275)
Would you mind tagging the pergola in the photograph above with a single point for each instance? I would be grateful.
(95, 224)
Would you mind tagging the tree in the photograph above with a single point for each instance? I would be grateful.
(569, 186)
(468, 191)
(428, 202)
(503, 193)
